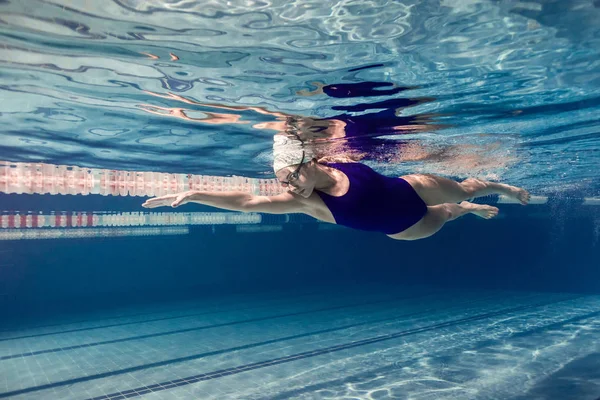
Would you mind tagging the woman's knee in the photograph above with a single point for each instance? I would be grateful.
(441, 213)
(432, 222)
(472, 185)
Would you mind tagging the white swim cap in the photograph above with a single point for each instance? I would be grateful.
(288, 151)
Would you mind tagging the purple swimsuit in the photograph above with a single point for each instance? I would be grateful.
(374, 202)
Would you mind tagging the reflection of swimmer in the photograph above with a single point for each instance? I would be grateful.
(352, 194)
(351, 135)
(385, 121)
(354, 136)
(358, 89)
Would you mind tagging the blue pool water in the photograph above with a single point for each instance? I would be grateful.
(207, 306)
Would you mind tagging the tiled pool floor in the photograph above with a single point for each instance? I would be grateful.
(367, 342)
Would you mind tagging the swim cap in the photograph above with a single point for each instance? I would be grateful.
(287, 151)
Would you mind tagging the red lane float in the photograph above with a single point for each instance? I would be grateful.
(40, 178)
(76, 233)
(93, 219)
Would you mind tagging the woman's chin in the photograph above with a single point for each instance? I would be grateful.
(306, 193)
(302, 193)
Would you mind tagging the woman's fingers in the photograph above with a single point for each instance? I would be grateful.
(179, 200)
(152, 203)
(172, 200)
(159, 201)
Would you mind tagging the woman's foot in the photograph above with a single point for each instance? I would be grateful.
(481, 210)
(519, 194)
(477, 188)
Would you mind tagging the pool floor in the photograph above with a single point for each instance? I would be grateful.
(351, 342)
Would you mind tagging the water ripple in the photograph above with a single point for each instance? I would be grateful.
(202, 86)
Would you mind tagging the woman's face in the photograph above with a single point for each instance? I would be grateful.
(298, 179)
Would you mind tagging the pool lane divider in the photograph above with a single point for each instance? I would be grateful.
(43, 178)
(77, 219)
(90, 233)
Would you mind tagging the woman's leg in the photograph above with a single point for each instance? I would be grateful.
(438, 190)
(438, 215)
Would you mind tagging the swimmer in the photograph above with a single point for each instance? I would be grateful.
(352, 194)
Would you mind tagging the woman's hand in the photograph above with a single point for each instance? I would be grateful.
(172, 200)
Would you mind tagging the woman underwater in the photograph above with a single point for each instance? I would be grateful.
(352, 194)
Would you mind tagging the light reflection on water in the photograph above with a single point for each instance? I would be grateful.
(500, 90)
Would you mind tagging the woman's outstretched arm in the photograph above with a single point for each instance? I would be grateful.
(283, 203)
